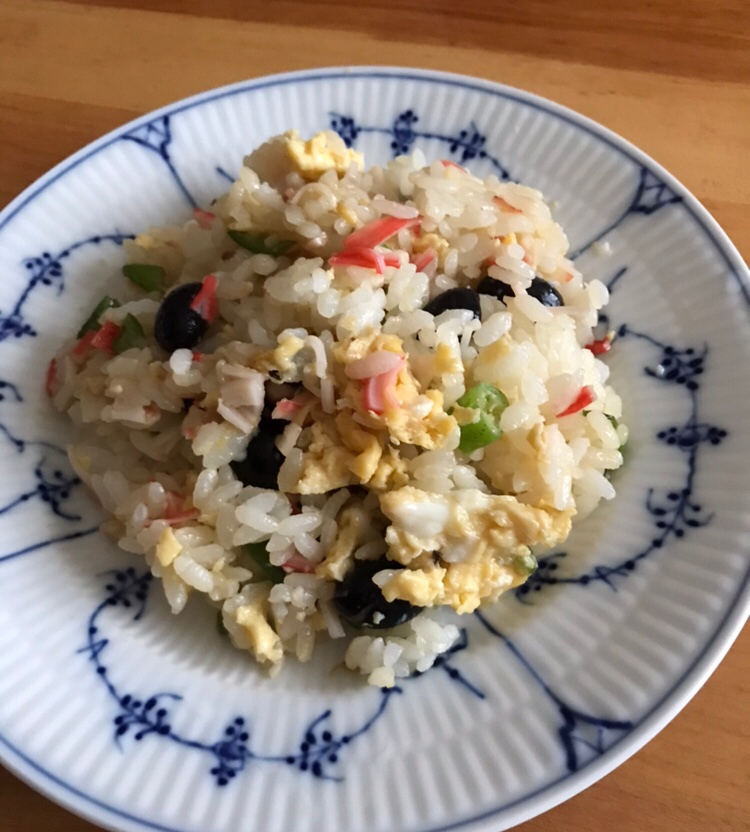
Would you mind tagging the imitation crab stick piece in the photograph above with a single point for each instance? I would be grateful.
(50, 380)
(506, 206)
(423, 260)
(298, 563)
(205, 302)
(203, 218)
(81, 349)
(377, 232)
(176, 510)
(600, 346)
(583, 399)
(390, 258)
(286, 408)
(446, 163)
(104, 337)
(379, 392)
(366, 258)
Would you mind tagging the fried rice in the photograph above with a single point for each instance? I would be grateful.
(345, 403)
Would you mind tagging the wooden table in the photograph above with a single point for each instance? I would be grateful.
(673, 76)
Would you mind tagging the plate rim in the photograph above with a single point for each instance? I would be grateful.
(701, 667)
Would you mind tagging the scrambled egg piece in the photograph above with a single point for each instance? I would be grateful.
(265, 642)
(337, 561)
(434, 241)
(280, 359)
(483, 368)
(347, 214)
(326, 463)
(446, 360)
(364, 444)
(419, 420)
(324, 151)
(392, 472)
(168, 547)
(486, 534)
(463, 586)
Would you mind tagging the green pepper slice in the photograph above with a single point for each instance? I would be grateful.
(131, 335)
(256, 243)
(525, 565)
(150, 278)
(92, 322)
(259, 554)
(490, 402)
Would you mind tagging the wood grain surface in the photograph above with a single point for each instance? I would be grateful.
(672, 76)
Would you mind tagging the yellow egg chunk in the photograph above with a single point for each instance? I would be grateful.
(484, 532)
(463, 586)
(168, 547)
(338, 559)
(420, 419)
(326, 463)
(263, 638)
(431, 241)
(324, 151)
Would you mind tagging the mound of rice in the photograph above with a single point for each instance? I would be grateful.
(313, 277)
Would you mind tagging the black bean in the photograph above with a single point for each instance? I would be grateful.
(544, 292)
(540, 289)
(262, 461)
(454, 299)
(177, 326)
(360, 602)
(494, 288)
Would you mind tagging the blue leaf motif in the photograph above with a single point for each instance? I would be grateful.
(45, 270)
(577, 728)
(156, 136)
(403, 132)
(650, 195)
(467, 144)
(346, 127)
(320, 748)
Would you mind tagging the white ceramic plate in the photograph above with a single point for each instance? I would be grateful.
(139, 721)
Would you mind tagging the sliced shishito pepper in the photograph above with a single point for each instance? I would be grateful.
(259, 553)
(131, 335)
(525, 565)
(490, 402)
(91, 324)
(257, 243)
(150, 278)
